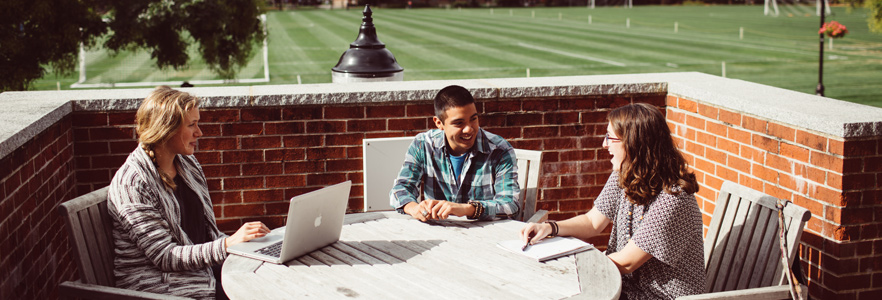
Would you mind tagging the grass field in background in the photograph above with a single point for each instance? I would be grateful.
(483, 43)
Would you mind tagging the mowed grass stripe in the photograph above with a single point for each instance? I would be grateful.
(496, 49)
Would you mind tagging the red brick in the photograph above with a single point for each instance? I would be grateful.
(261, 114)
(577, 155)
(354, 152)
(309, 166)
(811, 140)
(344, 139)
(708, 111)
(860, 148)
(388, 111)
(122, 118)
(858, 181)
(560, 143)
(832, 179)
(409, 124)
(657, 100)
(325, 179)
(738, 163)
(873, 164)
(242, 129)
(565, 167)
(754, 124)
(240, 183)
(365, 125)
(676, 116)
(779, 163)
(740, 136)
(325, 153)
(111, 133)
(487, 121)
(552, 104)
(824, 194)
(835, 146)
(794, 152)
(753, 154)
(715, 156)
(209, 130)
(687, 105)
(524, 119)
(420, 110)
(559, 193)
(325, 126)
(243, 156)
(261, 169)
(506, 132)
(277, 208)
(526, 144)
(219, 116)
(561, 118)
(764, 173)
(285, 181)
(217, 143)
(226, 197)
(765, 143)
(695, 148)
(730, 117)
(695, 122)
(208, 157)
(502, 106)
(576, 205)
(544, 131)
(303, 141)
(284, 128)
(671, 100)
(594, 117)
(577, 180)
(243, 210)
(706, 139)
(344, 165)
(717, 129)
(89, 119)
(302, 113)
(782, 131)
(262, 142)
(285, 154)
(853, 165)
(345, 112)
(109, 161)
(91, 148)
(826, 161)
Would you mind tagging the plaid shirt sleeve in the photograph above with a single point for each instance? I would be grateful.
(505, 202)
(407, 186)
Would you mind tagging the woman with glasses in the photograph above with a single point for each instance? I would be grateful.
(656, 237)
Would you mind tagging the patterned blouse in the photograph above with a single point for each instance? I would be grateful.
(669, 228)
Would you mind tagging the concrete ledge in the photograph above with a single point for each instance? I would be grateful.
(25, 114)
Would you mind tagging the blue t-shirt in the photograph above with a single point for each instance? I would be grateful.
(457, 164)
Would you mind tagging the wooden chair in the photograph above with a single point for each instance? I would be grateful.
(89, 231)
(742, 252)
(529, 166)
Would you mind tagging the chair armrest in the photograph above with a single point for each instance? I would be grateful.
(539, 217)
(76, 289)
(771, 292)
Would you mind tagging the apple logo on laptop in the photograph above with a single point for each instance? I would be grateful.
(318, 221)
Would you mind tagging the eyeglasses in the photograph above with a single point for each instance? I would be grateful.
(610, 139)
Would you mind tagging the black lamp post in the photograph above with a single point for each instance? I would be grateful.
(820, 89)
(367, 58)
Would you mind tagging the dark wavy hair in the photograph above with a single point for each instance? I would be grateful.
(652, 163)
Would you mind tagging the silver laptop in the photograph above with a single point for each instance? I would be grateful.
(315, 220)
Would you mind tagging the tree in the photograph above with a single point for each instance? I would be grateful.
(875, 19)
(40, 32)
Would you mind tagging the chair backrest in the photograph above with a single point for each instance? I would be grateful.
(742, 248)
(529, 165)
(89, 231)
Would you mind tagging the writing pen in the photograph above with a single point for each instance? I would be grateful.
(527, 244)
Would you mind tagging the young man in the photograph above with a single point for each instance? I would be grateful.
(466, 171)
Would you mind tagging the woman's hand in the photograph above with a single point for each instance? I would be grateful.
(247, 232)
(532, 233)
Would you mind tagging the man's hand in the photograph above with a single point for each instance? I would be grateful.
(438, 209)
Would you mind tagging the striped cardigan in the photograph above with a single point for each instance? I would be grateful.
(152, 252)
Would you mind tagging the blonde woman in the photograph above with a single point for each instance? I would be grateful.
(165, 236)
(656, 238)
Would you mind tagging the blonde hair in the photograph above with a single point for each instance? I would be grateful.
(159, 117)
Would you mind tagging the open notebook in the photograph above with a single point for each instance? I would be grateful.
(546, 249)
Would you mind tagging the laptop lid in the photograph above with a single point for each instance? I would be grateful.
(315, 220)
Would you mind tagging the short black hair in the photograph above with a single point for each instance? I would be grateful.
(451, 96)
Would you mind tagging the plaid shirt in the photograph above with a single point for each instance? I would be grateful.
(489, 177)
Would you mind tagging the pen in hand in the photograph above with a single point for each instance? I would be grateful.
(527, 244)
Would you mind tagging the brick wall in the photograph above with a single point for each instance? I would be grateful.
(256, 158)
(34, 251)
(841, 249)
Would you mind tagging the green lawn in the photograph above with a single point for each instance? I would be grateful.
(483, 43)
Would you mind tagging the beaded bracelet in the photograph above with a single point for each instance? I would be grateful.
(554, 228)
(479, 210)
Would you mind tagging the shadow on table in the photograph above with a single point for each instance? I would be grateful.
(368, 252)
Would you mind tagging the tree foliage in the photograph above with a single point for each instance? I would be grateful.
(40, 33)
(875, 19)
(37, 33)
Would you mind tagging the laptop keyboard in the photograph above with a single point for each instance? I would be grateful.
(273, 250)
